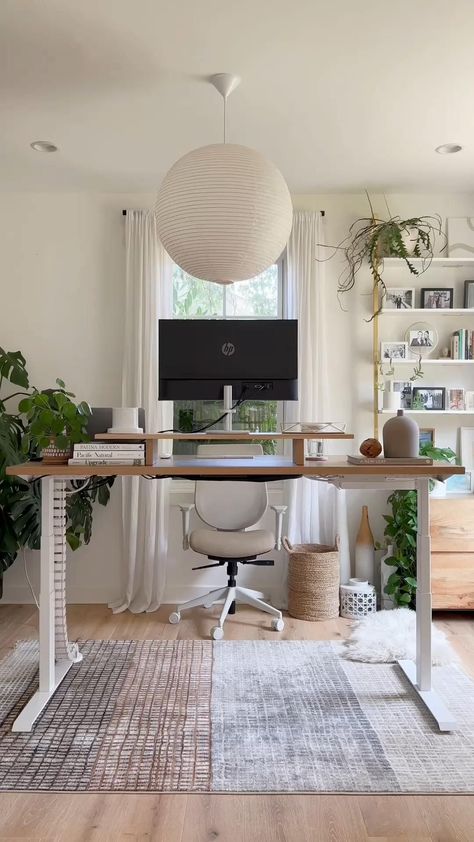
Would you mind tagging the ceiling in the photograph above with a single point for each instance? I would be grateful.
(342, 95)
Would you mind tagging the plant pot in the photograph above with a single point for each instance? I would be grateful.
(53, 455)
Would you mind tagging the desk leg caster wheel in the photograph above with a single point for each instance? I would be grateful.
(217, 633)
(278, 624)
(174, 617)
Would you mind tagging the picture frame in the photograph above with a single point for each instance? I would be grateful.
(468, 295)
(429, 398)
(456, 400)
(437, 298)
(469, 400)
(399, 298)
(404, 387)
(393, 351)
(427, 436)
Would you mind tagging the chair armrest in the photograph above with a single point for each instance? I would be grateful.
(185, 509)
(279, 512)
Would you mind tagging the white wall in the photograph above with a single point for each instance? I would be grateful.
(62, 260)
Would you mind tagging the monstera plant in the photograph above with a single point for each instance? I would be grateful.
(21, 436)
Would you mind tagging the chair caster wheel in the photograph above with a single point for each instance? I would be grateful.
(174, 617)
(278, 624)
(217, 633)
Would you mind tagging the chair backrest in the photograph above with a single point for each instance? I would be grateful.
(226, 505)
(101, 420)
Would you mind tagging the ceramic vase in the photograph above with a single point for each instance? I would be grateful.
(401, 437)
(385, 571)
(364, 550)
(391, 399)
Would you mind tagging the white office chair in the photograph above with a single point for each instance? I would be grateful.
(230, 508)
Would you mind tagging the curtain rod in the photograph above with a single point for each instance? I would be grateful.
(322, 212)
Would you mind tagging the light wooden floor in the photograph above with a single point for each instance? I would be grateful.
(229, 818)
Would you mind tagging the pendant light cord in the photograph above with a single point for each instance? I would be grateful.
(225, 119)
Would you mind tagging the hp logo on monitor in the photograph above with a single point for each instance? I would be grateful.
(228, 349)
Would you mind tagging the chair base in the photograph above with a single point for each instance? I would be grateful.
(231, 595)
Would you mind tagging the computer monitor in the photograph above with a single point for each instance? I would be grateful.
(257, 357)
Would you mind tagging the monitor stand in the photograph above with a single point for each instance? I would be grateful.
(228, 418)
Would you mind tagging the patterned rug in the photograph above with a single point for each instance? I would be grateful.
(237, 716)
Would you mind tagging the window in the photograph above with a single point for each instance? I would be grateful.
(258, 298)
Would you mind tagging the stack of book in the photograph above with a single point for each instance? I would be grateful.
(108, 453)
(462, 344)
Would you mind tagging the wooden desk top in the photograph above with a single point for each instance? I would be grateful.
(243, 435)
(188, 466)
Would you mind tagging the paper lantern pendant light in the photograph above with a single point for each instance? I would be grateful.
(224, 212)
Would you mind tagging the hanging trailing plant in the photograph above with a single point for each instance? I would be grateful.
(370, 239)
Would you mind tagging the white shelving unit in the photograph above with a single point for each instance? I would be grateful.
(428, 411)
(435, 262)
(424, 311)
(426, 360)
(394, 322)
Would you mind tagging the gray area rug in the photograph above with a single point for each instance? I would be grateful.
(237, 716)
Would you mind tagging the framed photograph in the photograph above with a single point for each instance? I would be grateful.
(431, 398)
(422, 339)
(399, 298)
(404, 388)
(469, 295)
(427, 435)
(456, 400)
(439, 298)
(469, 400)
(394, 350)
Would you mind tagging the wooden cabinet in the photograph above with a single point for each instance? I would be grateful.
(452, 552)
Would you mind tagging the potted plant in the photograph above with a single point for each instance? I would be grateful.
(20, 501)
(400, 533)
(371, 239)
(55, 422)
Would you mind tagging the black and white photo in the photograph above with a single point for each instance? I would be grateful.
(394, 350)
(421, 339)
(432, 398)
(399, 298)
(440, 298)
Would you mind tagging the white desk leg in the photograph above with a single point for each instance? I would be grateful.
(419, 674)
(56, 653)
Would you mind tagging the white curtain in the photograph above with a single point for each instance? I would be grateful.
(145, 507)
(316, 511)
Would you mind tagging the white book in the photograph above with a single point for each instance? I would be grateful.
(106, 462)
(107, 454)
(108, 445)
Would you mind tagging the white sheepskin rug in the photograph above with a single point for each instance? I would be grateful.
(391, 636)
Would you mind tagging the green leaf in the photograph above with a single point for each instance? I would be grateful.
(404, 598)
(394, 579)
(60, 383)
(411, 581)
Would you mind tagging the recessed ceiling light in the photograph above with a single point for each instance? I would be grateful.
(448, 148)
(43, 146)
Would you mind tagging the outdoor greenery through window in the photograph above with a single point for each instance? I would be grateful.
(258, 298)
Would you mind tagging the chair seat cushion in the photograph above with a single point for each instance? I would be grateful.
(231, 544)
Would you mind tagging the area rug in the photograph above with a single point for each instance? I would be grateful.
(237, 716)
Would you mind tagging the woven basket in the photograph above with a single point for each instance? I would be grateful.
(313, 581)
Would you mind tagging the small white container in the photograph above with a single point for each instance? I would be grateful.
(358, 599)
(125, 420)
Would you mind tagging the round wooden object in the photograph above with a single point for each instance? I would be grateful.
(371, 448)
